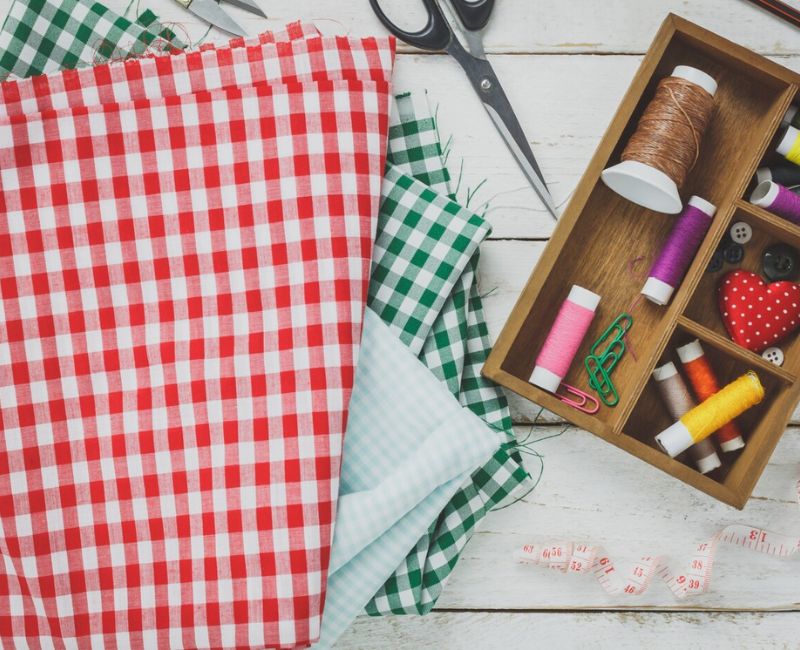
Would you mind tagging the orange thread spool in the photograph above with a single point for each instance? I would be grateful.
(704, 383)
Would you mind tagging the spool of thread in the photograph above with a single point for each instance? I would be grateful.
(679, 402)
(791, 117)
(776, 198)
(789, 145)
(666, 143)
(786, 175)
(564, 339)
(704, 383)
(678, 251)
(719, 409)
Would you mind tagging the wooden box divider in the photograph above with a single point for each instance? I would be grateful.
(601, 234)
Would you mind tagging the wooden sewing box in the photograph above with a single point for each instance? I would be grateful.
(600, 233)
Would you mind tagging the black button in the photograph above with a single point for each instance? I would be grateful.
(733, 253)
(780, 262)
(716, 262)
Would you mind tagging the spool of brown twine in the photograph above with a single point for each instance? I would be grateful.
(671, 128)
(666, 143)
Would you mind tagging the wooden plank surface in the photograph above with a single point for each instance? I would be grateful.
(588, 631)
(565, 66)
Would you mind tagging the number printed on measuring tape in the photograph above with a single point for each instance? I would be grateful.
(584, 558)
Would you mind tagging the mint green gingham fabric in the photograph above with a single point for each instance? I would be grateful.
(408, 501)
(409, 447)
(424, 287)
(40, 36)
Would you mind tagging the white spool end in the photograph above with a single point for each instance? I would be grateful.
(765, 194)
(708, 464)
(706, 207)
(657, 291)
(647, 186)
(583, 297)
(790, 114)
(545, 379)
(697, 77)
(665, 372)
(788, 139)
(644, 185)
(691, 351)
(675, 439)
(763, 174)
(732, 445)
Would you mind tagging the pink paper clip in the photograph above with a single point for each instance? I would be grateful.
(580, 405)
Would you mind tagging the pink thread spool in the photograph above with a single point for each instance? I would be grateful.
(564, 339)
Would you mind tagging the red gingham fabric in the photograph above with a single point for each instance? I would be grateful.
(182, 283)
(251, 62)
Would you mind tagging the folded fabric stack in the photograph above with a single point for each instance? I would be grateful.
(185, 246)
(410, 494)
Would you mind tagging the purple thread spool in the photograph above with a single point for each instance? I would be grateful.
(678, 251)
(776, 198)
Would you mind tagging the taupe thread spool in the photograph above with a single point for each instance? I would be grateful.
(666, 143)
(679, 401)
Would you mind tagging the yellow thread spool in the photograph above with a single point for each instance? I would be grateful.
(705, 418)
(789, 146)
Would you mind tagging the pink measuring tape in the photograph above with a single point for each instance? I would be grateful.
(583, 558)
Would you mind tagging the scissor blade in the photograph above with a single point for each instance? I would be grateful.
(248, 5)
(487, 85)
(526, 161)
(212, 13)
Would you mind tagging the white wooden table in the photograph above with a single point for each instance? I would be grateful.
(565, 67)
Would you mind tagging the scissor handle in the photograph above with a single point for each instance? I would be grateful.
(473, 15)
(434, 36)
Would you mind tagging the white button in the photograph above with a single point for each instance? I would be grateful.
(773, 355)
(741, 232)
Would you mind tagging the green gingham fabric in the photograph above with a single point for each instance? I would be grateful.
(40, 36)
(424, 287)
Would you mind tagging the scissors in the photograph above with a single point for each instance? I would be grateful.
(438, 35)
(212, 13)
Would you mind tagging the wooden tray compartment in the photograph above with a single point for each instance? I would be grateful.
(771, 156)
(650, 416)
(606, 244)
(768, 229)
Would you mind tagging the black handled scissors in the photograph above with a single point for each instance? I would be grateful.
(438, 35)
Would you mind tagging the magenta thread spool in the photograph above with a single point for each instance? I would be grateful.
(679, 401)
(678, 251)
(778, 199)
(564, 339)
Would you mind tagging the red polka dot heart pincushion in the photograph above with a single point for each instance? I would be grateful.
(756, 314)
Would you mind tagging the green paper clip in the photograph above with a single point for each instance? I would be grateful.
(620, 328)
(600, 381)
(600, 366)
